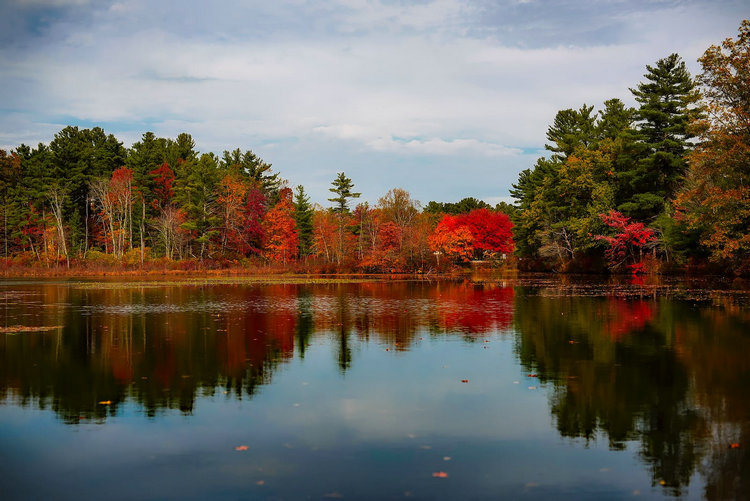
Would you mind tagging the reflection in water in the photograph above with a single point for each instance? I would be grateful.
(670, 375)
(668, 378)
(164, 346)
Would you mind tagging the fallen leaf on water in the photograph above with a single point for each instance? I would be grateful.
(333, 495)
(260, 482)
(440, 474)
(426, 447)
(662, 482)
(105, 402)
(532, 387)
(446, 458)
(241, 448)
(734, 446)
(464, 380)
(532, 375)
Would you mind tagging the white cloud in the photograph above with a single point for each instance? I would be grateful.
(355, 80)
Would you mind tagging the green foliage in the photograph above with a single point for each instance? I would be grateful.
(303, 216)
(668, 103)
(463, 206)
(342, 186)
(252, 167)
(571, 129)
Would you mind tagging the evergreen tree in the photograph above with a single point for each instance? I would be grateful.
(668, 103)
(195, 194)
(303, 216)
(571, 129)
(342, 186)
(251, 166)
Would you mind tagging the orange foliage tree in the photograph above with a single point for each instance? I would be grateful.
(452, 240)
(282, 242)
(716, 198)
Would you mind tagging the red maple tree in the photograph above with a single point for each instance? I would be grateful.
(628, 243)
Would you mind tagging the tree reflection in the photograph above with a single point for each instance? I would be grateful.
(643, 371)
(162, 347)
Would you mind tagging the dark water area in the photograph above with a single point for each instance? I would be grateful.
(524, 389)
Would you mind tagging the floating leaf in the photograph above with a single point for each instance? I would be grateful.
(105, 402)
(440, 474)
(734, 446)
(464, 380)
(241, 448)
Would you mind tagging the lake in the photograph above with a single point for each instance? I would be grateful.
(530, 388)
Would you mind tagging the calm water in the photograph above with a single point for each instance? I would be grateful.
(413, 390)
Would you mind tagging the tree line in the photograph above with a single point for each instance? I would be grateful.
(85, 198)
(660, 184)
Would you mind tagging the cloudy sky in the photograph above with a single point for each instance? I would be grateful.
(444, 98)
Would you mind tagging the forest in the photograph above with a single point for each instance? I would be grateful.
(660, 187)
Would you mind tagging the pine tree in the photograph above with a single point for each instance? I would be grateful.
(668, 103)
(342, 186)
(303, 216)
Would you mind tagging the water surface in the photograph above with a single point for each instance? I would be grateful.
(529, 389)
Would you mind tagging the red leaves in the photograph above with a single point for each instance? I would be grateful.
(241, 448)
(440, 474)
(163, 177)
(478, 232)
(630, 237)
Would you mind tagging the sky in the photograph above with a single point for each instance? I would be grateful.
(444, 98)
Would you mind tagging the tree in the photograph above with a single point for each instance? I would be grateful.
(163, 179)
(114, 198)
(491, 231)
(627, 243)
(10, 172)
(467, 204)
(76, 158)
(564, 211)
(303, 216)
(452, 240)
(342, 186)
(252, 167)
(668, 103)
(571, 129)
(715, 201)
(195, 193)
(281, 242)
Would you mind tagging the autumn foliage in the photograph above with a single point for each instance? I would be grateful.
(480, 233)
(626, 246)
